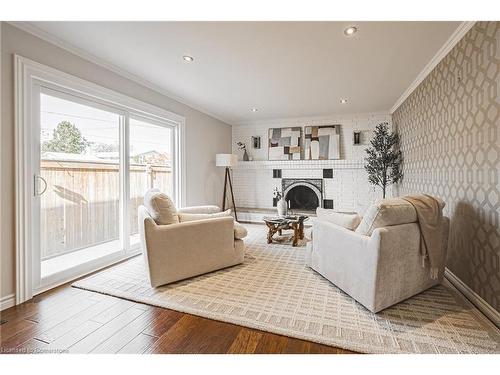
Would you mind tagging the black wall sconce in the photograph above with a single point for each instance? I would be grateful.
(357, 138)
(256, 142)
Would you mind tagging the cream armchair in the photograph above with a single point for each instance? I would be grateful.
(378, 268)
(185, 249)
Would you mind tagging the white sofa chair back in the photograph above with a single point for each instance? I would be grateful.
(378, 264)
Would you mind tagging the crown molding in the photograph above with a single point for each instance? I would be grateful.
(302, 119)
(52, 39)
(457, 35)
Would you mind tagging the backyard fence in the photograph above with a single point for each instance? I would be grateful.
(80, 207)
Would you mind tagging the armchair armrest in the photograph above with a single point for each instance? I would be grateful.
(335, 233)
(346, 258)
(334, 245)
(209, 209)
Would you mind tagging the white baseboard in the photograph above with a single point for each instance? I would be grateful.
(474, 298)
(7, 301)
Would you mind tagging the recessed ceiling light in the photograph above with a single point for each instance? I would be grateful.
(254, 110)
(351, 30)
(343, 101)
(188, 58)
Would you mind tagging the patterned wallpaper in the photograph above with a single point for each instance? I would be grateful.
(450, 138)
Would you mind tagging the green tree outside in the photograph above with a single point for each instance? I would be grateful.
(66, 138)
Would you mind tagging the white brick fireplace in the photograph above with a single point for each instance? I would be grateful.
(344, 182)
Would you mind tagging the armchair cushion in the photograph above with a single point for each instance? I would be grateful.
(348, 220)
(193, 217)
(160, 207)
(240, 232)
(386, 212)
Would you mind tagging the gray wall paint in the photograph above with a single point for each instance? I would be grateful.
(205, 136)
(450, 138)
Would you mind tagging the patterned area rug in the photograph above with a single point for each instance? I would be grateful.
(274, 291)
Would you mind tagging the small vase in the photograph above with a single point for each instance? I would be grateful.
(282, 207)
(315, 150)
(245, 156)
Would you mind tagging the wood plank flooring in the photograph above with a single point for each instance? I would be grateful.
(72, 320)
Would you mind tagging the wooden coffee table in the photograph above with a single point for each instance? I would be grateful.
(278, 224)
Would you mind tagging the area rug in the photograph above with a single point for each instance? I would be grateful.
(274, 291)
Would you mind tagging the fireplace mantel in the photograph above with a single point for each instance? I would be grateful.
(300, 164)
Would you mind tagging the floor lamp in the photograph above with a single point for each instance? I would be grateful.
(227, 161)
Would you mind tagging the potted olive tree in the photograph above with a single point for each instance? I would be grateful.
(383, 163)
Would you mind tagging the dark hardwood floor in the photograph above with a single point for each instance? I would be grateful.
(72, 320)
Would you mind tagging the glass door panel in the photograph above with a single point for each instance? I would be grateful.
(150, 165)
(80, 170)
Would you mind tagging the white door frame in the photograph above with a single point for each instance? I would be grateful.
(27, 72)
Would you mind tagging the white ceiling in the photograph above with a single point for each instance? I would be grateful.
(285, 69)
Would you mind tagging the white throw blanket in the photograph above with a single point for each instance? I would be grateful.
(430, 220)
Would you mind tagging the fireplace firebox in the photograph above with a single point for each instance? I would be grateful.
(303, 194)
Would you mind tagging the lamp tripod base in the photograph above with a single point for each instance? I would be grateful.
(226, 179)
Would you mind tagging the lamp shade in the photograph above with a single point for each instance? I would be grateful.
(226, 160)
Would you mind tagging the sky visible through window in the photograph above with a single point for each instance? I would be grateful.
(101, 128)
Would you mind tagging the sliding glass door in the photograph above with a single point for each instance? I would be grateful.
(150, 151)
(93, 165)
(77, 182)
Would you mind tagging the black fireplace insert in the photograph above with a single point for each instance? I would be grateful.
(303, 194)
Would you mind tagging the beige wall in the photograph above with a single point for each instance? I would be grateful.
(450, 138)
(205, 136)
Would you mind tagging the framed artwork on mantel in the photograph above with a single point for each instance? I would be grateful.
(322, 142)
(285, 143)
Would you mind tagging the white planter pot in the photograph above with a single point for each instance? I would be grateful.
(282, 207)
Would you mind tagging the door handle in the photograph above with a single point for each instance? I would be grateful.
(37, 177)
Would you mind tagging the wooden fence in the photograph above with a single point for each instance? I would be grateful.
(80, 207)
